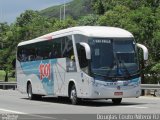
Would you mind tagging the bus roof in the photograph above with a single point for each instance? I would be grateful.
(90, 31)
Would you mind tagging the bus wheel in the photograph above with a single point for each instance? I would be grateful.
(73, 95)
(31, 96)
(116, 101)
(157, 93)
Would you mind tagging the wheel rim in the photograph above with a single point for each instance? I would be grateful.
(157, 93)
(73, 95)
(29, 91)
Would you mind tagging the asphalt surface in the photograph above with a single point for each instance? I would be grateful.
(16, 105)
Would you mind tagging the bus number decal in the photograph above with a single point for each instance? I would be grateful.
(45, 71)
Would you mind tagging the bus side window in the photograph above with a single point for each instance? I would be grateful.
(31, 54)
(22, 55)
(53, 53)
(54, 49)
(19, 55)
(38, 54)
(83, 62)
(68, 50)
(31, 57)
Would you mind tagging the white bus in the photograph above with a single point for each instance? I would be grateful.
(85, 62)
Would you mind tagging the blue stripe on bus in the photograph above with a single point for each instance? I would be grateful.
(33, 68)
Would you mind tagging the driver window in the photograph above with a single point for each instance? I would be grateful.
(83, 62)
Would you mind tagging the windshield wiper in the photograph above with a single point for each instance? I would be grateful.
(104, 67)
(98, 74)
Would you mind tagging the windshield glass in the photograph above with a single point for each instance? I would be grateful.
(113, 57)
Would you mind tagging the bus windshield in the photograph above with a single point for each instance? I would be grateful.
(113, 58)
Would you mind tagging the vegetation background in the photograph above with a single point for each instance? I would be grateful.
(140, 17)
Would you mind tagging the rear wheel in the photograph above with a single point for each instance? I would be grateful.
(116, 101)
(73, 96)
(29, 91)
(32, 96)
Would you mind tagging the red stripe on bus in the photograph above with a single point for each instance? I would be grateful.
(48, 37)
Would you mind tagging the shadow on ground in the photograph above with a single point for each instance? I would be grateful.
(89, 103)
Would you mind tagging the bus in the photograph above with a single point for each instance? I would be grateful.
(83, 62)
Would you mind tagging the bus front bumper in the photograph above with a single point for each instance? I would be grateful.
(120, 89)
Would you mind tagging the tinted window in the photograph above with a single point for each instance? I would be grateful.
(67, 48)
(51, 49)
(83, 62)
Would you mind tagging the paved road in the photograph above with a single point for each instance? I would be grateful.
(13, 102)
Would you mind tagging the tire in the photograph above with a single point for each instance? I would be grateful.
(157, 93)
(32, 96)
(117, 101)
(29, 92)
(73, 96)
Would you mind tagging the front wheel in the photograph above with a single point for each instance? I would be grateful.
(73, 96)
(117, 101)
(157, 93)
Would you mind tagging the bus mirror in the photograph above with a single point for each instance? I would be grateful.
(87, 50)
(145, 51)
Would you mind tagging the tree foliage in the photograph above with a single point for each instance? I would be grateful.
(140, 17)
(98, 7)
(90, 19)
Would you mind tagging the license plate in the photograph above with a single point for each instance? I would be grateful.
(118, 93)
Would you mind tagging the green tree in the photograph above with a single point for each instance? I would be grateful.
(90, 19)
(7, 50)
(140, 17)
(143, 22)
(98, 7)
(58, 25)
(26, 18)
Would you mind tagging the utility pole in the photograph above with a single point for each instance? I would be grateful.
(64, 11)
(1, 14)
(64, 17)
(60, 13)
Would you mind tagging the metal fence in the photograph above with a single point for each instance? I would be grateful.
(8, 85)
(152, 89)
(150, 86)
